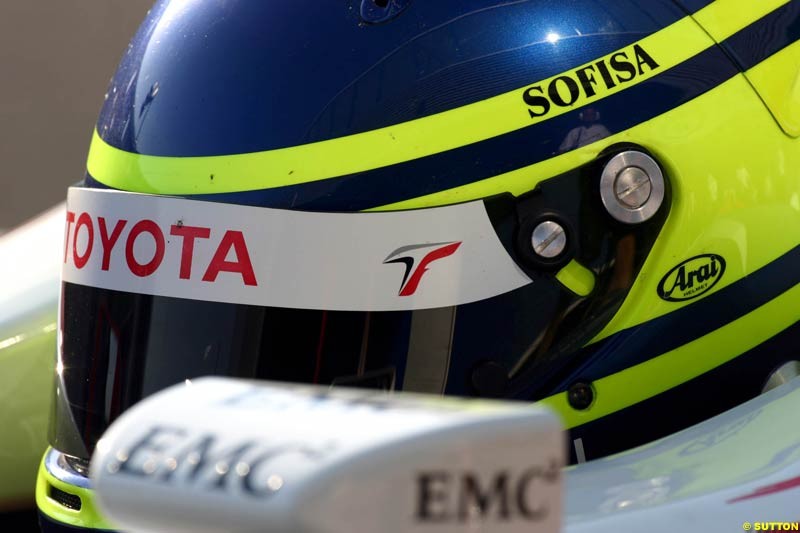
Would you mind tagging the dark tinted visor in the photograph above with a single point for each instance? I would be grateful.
(119, 347)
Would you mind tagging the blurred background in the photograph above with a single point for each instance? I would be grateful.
(56, 58)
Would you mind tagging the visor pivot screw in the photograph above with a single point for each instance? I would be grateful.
(580, 395)
(632, 187)
(548, 239)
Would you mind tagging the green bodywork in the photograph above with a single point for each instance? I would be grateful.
(27, 352)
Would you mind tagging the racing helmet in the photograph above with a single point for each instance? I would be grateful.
(589, 204)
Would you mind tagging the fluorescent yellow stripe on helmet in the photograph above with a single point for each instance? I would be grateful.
(703, 145)
(778, 82)
(730, 180)
(373, 149)
(723, 18)
(634, 384)
(702, 141)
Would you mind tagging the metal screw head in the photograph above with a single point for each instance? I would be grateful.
(548, 239)
(580, 395)
(632, 187)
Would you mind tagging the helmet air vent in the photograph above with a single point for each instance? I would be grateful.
(380, 11)
(70, 501)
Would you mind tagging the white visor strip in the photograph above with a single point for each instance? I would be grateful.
(271, 257)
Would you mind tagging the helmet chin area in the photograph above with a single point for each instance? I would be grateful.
(64, 495)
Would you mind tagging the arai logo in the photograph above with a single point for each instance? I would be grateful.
(692, 278)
